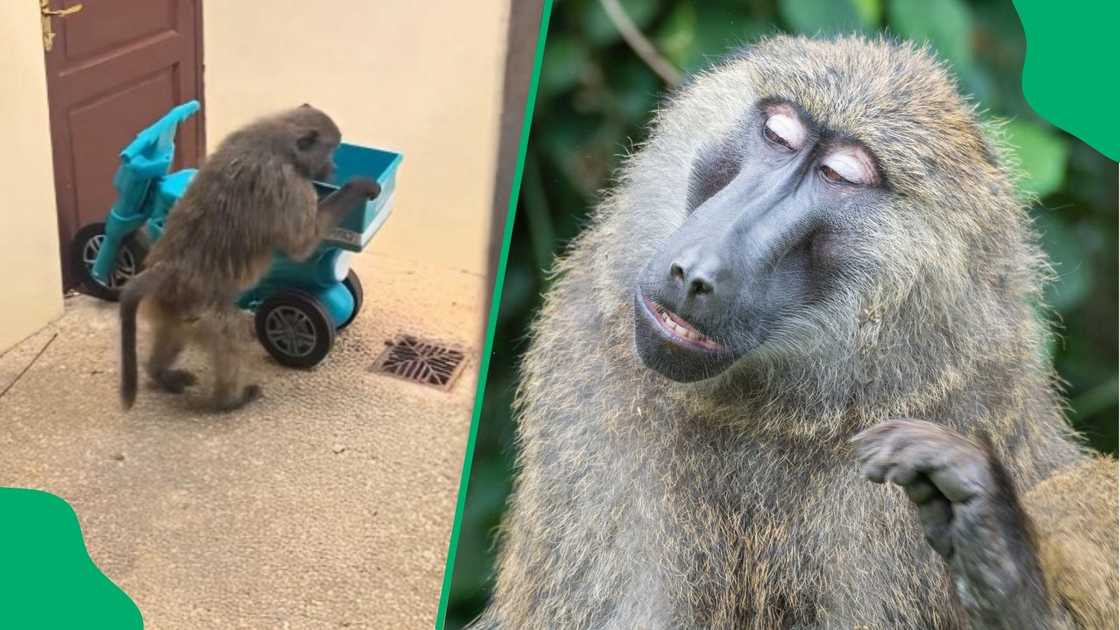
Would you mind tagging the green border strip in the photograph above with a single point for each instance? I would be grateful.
(492, 325)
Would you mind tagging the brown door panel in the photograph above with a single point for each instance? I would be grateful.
(115, 67)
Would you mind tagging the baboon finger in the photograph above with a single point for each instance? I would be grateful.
(921, 491)
(872, 435)
(966, 476)
(874, 450)
(899, 450)
(936, 517)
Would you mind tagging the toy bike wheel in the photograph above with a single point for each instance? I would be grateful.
(83, 252)
(354, 286)
(295, 329)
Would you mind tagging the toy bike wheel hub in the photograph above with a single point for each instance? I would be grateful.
(291, 330)
(123, 270)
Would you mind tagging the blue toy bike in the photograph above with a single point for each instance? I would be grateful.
(298, 307)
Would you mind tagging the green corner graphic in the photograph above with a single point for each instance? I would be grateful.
(47, 579)
(1069, 73)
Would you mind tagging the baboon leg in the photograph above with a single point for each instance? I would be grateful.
(167, 346)
(224, 347)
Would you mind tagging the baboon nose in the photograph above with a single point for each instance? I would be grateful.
(699, 286)
(696, 283)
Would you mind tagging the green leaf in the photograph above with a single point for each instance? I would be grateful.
(825, 17)
(1042, 155)
(945, 24)
(636, 89)
(1074, 278)
(692, 38)
(517, 293)
(870, 12)
(677, 35)
(1096, 400)
(975, 83)
(599, 29)
(565, 60)
(566, 135)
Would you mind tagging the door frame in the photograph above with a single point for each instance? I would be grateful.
(522, 32)
(200, 81)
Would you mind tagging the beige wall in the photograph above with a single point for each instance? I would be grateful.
(32, 293)
(421, 77)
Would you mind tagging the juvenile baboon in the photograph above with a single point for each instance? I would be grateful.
(819, 239)
(252, 197)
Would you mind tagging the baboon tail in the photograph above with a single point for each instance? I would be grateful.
(131, 296)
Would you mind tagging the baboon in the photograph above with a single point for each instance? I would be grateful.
(252, 197)
(821, 242)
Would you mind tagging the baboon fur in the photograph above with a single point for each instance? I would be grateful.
(735, 502)
(253, 197)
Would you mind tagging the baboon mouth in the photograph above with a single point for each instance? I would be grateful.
(674, 347)
(679, 329)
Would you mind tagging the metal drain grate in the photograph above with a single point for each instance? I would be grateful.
(421, 361)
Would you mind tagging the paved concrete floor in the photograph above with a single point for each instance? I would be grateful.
(327, 504)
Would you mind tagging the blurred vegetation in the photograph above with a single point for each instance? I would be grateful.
(594, 101)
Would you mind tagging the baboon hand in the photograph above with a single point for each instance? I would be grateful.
(971, 515)
(367, 187)
(945, 474)
(343, 200)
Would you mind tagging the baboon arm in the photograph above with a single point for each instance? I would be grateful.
(1044, 559)
(994, 562)
(334, 206)
(1075, 517)
(329, 213)
(1071, 583)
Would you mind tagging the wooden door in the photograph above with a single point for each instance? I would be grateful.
(115, 67)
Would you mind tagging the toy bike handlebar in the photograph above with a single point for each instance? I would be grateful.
(147, 158)
(155, 146)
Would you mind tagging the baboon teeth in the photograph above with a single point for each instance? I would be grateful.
(676, 325)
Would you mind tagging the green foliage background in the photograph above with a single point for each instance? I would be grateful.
(594, 101)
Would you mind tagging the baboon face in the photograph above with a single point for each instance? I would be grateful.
(815, 194)
(316, 138)
(764, 237)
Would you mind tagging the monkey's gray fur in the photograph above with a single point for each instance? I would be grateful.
(737, 501)
(251, 198)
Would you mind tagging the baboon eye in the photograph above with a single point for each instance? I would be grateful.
(831, 175)
(307, 140)
(850, 166)
(784, 131)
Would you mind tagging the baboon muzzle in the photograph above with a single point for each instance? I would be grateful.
(738, 262)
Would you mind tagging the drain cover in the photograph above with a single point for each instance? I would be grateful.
(421, 361)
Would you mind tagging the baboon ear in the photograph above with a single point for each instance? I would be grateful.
(305, 105)
(307, 139)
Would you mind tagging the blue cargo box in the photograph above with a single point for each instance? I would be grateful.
(361, 223)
